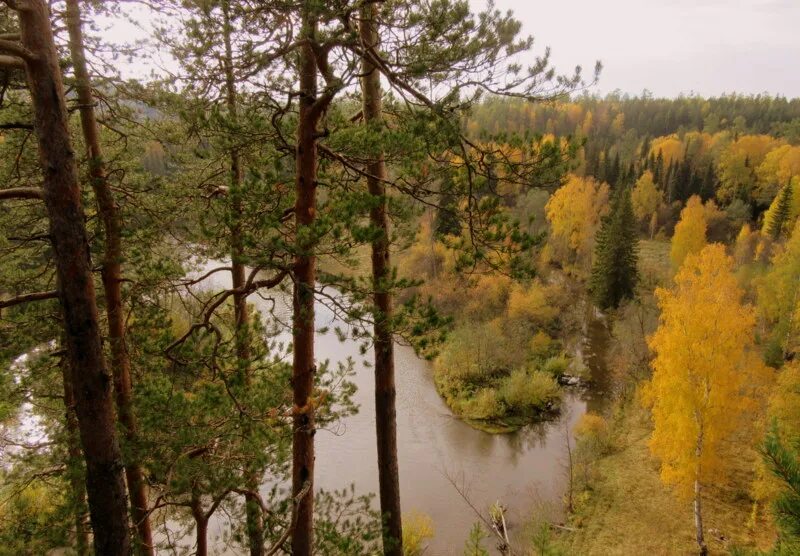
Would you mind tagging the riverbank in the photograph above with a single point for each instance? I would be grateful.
(625, 509)
(436, 451)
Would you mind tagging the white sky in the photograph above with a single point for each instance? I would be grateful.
(671, 46)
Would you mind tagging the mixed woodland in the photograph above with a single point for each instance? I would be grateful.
(423, 172)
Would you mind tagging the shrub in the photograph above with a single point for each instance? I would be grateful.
(556, 366)
(523, 391)
(484, 405)
(487, 297)
(542, 345)
(475, 351)
(592, 434)
(532, 303)
(417, 529)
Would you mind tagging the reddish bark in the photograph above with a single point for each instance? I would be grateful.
(105, 486)
(111, 273)
(255, 519)
(385, 393)
(303, 365)
(74, 465)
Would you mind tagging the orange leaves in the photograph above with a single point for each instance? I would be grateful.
(574, 212)
(737, 164)
(670, 147)
(690, 232)
(646, 198)
(706, 374)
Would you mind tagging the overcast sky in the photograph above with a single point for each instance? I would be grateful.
(671, 46)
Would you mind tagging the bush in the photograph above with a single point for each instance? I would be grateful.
(522, 390)
(593, 434)
(542, 345)
(475, 352)
(484, 405)
(556, 366)
(533, 303)
(417, 529)
(487, 297)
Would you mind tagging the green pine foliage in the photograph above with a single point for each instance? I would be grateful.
(614, 273)
(783, 461)
(782, 211)
(474, 544)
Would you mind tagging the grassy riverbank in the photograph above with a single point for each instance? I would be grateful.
(624, 508)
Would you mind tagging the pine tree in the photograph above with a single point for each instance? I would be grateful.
(614, 274)
(616, 171)
(658, 169)
(709, 183)
(782, 461)
(781, 214)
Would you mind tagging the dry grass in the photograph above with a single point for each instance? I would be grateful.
(629, 510)
(654, 264)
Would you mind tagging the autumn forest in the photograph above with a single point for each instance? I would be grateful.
(375, 277)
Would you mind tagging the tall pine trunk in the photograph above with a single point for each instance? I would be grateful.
(303, 365)
(201, 527)
(254, 517)
(385, 394)
(75, 470)
(111, 273)
(92, 383)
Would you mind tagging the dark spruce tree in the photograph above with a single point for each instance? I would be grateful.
(781, 215)
(614, 273)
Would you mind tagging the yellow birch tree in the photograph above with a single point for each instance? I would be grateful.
(690, 232)
(706, 375)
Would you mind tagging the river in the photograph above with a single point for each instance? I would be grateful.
(524, 470)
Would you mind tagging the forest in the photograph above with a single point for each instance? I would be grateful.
(323, 257)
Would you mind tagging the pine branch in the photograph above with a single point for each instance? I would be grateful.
(11, 62)
(15, 49)
(27, 298)
(21, 193)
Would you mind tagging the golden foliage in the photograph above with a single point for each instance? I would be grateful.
(417, 530)
(532, 303)
(706, 376)
(690, 232)
(779, 167)
(427, 257)
(574, 212)
(646, 197)
(779, 290)
(670, 147)
(591, 424)
(744, 250)
(487, 297)
(784, 411)
(737, 164)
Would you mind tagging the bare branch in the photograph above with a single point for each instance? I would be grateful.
(27, 297)
(16, 125)
(285, 535)
(210, 308)
(199, 279)
(11, 62)
(16, 49)
(21, 193)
